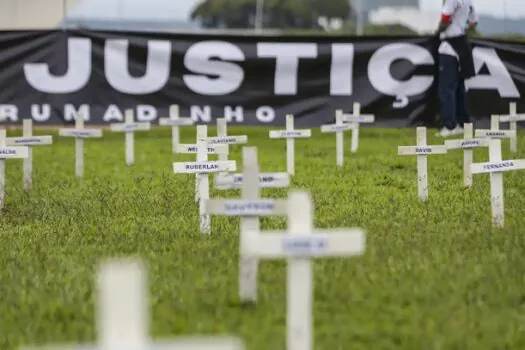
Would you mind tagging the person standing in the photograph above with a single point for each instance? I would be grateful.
(456, 63)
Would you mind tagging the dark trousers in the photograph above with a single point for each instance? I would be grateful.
(452, 95)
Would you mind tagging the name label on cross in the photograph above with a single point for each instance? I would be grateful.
(469, 143)
(423, 149)
(500, 165)
(304, 245)
(14, 152)
(34, 140)
(220, 140)
(80, 133)
(249, 207)
(204, 167)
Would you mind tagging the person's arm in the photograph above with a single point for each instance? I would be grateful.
(473, 17)
(446, 16)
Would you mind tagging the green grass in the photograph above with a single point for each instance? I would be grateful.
(435, 275)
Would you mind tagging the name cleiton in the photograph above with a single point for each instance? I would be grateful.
(423, 149)
(202, 167)
(303, 245)
(503, 165)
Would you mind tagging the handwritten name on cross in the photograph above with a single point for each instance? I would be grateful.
(512, 118)
(250, 207)
(298, 246)
(338, 128)
(356, 118)
(8, 153)
(29, 140)
(202, 167)
(290, 134)
(467, 144)
(495, 167)
(129, 127)
(79, 133)
(175, 121)
(421, 150)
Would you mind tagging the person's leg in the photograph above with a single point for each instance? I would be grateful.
(448, 75)
(461, 103)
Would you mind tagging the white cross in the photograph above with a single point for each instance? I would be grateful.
(355, 119)
(6, 153)
(513, 118)
(494, 132)
(250, 207)
(422, 150)
(290, 134)
(301, 243)
(123, 317)
(202, 167)
(467, 144)
(224, 140)
(29, 140)
(129, 127)
(338, 128)
(496, 166)
(79, 133)
(175, 121)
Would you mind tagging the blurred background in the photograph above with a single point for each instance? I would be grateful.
(498, 18)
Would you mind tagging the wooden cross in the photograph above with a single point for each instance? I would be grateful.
(299, 245)
(123, 318)
(175, 121)
(290, 134)
(8, 153)
(29, 140)
(494, 132)
(338, 128)
(202, 167)
(496, 166)
(250, 207)
(129, 127)
(355, 119)
(467, 144)
(421, 150)
(513, 118)
(79, 133)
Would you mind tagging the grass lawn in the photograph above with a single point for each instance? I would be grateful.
(435, 275)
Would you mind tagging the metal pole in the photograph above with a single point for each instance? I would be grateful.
(360, 23)
(259, 13)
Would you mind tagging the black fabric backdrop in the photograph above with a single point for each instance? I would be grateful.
(51, 75)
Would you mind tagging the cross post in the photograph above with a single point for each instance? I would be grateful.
(29, 140)
(422, 151)
(467, 144)
(79, 133)
(129, 127)
(250, 207)
(290, 134)
(8, 153)
(338, 128)
(175, 121)
(298, 246)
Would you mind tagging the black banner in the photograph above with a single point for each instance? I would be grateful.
(51, 76)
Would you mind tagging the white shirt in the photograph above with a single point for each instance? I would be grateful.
(462, 13)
